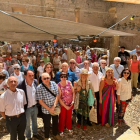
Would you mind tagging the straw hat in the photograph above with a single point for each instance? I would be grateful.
(84, 71)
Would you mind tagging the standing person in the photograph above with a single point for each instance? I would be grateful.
(25, 66)
(82, 86)
(4, 64)
(64, 56)
(74, 68)
(71, 75)
(49, 69)
(29, 86)
(56, 62)
(124, 93)
(93, 55)
(108, 86)
(11, 69)
(46, 59)
(48, 103)
(12, 103)
(81, 65)
(3, 83)
(124, 56)
(134, 66)
(78, 58)
(3, 70)
(87, 66)
(135, 50)
(103, 66)
(19, 59)
(95, 79)
(83, 56)
(66, 99)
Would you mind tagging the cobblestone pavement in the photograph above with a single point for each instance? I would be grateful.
(95, 132)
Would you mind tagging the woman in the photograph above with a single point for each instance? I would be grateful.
(49, 69)
(25, 65)
(66, 100)
(56, 62)
(3, 70)
(82, 86)
(40, 70)
(108, 86)
(19, 75)
(134, 66)
(83, 56)
(124, 93)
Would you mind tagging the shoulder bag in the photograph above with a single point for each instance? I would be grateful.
(57, 108)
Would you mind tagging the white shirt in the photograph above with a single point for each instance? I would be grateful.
(12, 103)
(64, 56)
(138, 58)
(19, 77)
(31, 94)
(95, 80)
(40, 69)
(124, 89)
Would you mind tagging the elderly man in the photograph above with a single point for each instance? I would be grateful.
(117, 67)
(48, 101)
(87, 66)
(71, 75)
(103, 66)
(29, 86)
(12, 103)
(46, 58)
(135, 50)
(64, 56)
(74, 68)
(95, 79)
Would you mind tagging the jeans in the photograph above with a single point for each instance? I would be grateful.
(16, 126)
(31, 114)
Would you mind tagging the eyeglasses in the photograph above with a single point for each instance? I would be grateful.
(46, 78)
(63, 77)
(16, 68)
(126, 72)
(104, 63)
(72, 63)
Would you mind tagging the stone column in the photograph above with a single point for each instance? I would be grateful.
(113, 51)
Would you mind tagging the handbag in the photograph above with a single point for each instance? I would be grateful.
(76, 101)
(57, 108)
(90, 97)
(93, 114)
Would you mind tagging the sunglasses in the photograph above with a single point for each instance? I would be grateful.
(16, 68)
(104, 63)
(72, 63)
(126, 72)
(63, 77)
(46, 78)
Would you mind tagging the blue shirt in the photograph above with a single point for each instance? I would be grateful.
(133, 52)
(70, 76)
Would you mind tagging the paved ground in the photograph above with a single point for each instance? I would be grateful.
(95, 132)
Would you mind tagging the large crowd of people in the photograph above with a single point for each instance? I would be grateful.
(40, 81)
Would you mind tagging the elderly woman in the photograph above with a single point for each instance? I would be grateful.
(124, 93)
(19, 75)
(82, 86)
(134, 66)
(25, 65)
(3, 70)
(108, 86)
(66, 99)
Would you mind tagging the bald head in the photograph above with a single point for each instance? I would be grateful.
(95, 67)
(46, 78)
(12, 83)
(65, 67)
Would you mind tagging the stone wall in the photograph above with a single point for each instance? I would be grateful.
(94, 12)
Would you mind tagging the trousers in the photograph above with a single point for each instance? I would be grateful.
(16, 127)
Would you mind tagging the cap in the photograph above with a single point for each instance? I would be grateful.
(122, 47)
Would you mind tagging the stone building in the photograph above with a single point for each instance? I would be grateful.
(95, 12)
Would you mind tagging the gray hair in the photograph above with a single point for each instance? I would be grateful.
(72, 60)
(117, 58)
(102, 60)
(16, 65)
(13, 61)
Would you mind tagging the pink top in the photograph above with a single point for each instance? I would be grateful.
(78, 59)
(66, 93)
(134, 66)
(94, 58)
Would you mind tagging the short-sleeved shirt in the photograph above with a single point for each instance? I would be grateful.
(40, 69)
(64, 56)
(46, 60)
(47, 97)
(70, 76)
(12, 103)
(123, 57)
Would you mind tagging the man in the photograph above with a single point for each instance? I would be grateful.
(95, 79)
(135, 50)
(117, 67)
(46, 59)
(74, 68)
(88, 51)
(82, 64)
(64, 56)
(124, 56)
(103, 66)
(19, 58)
(12, 103)
(71, 75)
(87, 66)
(29, 86)
(48, 103)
